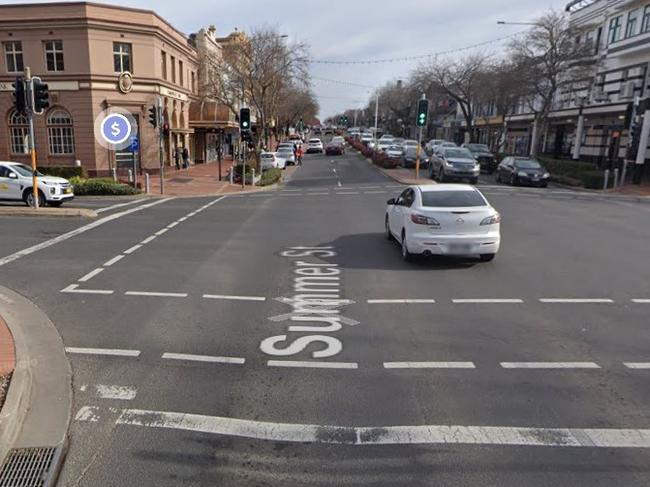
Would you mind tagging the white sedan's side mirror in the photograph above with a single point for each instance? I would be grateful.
(13, 175)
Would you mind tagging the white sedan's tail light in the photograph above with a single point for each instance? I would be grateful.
(492, 220)
(424, 220)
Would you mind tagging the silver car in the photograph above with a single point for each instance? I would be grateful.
(454, 163)
(286, 153)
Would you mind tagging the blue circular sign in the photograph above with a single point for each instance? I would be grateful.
(115, 128)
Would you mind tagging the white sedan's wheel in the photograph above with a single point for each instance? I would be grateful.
(406, 255)
(389, 235)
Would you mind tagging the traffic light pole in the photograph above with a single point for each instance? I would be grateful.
(32, 144)
(161, 148)
(417, 157)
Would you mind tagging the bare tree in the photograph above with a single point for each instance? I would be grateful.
(550, 61)
(294, 104)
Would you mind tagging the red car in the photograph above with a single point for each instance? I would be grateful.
(334, 149)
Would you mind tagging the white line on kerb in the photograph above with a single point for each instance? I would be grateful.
(91, 274)
(203, 358)
(576, 300)
(132, 249)
(401, 301)
(148, 239)
(312, 365)
(641, 301)
(234, 298)
(487, 301)
(73, 289)
(550, 365)
(387, 435)
(159, 295)
(103, 351)
(74, 233)
(114, 260)
(429, 365)
(637, 365)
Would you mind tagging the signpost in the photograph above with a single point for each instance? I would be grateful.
(135, 147)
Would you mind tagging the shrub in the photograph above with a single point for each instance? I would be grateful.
(593, 179)
(574, 173)
(238, 169)
(270, 176)
(66, 172)
(100, 187)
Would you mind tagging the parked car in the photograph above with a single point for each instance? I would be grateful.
(16, 184)
(454, 163)
(269, 160)
(314, 146)
(366, 138)
(410, 143)
(399, 141)
(522, 170)
(485, 158)
(394, 151)
(385, 142)
(410, 156)
(286, 153)
(339, 140)
(334, 149)
(447, 219)
(429, 146)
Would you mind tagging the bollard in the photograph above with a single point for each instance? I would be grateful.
(147, 183)
(616, 178)
(606, 179)
(130, 176)
(623, 174)
(114, 174)
(253, 180)
(231, 175)
(77, 163)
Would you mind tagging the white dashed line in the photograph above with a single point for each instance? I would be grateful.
(120, 393)
(401, 301)
(158, 295)
(641, 301)
(347, 192)
(180, 220)
(114, 207)
(132, 249)
(317, 194)
(73, 289)
(637, 365)
(234, 298)
(91, 274)
(312, 365)
(291, 194)
(375, 192)
(103, 351)
(487, 301)
(550, 365)
(161, 232)
(203, 358)
(172, 225)
(291, 190)
(576, 300)
(148, 240)
(114, 260)
(429, 365)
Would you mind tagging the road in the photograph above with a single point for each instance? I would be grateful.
(193, 364)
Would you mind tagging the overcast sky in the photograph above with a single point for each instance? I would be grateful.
(358, 30)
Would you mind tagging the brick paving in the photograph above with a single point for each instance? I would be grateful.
(7, 350)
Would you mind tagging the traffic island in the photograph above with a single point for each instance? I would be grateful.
(47, 212)
(36, 413)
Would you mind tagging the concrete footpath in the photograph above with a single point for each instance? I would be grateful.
(47, 212)
(37, 410)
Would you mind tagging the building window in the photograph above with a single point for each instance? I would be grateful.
(180, 72)
(645, 27)
(599, 36)
(54, 55)
(122, 57)
(615, 29)
(163, 65)
(18, 130)
(630, 27)
(173, 66)
(60, 134)
(14, 56)
(193, 82)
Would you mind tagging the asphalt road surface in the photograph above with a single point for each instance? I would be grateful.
(195, 362)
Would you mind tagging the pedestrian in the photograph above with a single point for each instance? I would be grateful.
(177, 157)
(186, 156)
(299, 154)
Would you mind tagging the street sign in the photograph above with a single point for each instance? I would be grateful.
(115, 128)
(135, 143)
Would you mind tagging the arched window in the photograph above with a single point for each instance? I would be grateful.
(60, 134)
(18, 131)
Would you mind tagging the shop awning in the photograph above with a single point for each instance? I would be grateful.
(211, 114)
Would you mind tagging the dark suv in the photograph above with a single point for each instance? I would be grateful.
(485, 158)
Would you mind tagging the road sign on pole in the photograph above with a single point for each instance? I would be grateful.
(115, 128)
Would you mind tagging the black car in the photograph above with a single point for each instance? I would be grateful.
(522, 171)
(409, 156)
(485, 158)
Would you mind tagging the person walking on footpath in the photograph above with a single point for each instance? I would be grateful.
(186, 156)
(299, 154)
(177, 157)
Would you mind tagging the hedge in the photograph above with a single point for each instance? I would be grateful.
(574, 173)
(100, 187)
(270, 176)
(66, 172)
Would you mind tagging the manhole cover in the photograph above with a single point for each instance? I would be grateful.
(28, 467)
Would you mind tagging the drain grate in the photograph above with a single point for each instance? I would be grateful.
(27, 467)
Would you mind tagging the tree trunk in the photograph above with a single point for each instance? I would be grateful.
(534, 138)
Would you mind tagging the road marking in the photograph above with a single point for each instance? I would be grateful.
(641, 301)
(121, 393)
(290, 190)
(203, 358)
(181, 219)
(375, 192)
(550, 365)
(312, 364)
(148, 240)
(347, 192)
(234, 298)
(401, 301)
(317, 194)
(172, 225)
(91, 274)
(264, 195)
(378, 435)
(292, 194)
(429, 365)
(637, 365)
(369, 187)
(576, 300)
(74, 233)
(338, 183)
(103, 351)
(132, 249)
(159, 295)
(161, 232)
(114, 260)
(487, 301)
(114, 207)
(73, 289)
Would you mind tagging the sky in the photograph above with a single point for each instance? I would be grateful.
(358, 30)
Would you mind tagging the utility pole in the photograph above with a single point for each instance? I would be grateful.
(376, 116)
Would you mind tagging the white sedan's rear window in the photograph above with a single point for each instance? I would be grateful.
(452, 199)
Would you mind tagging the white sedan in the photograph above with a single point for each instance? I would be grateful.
(270, 160)
(443, 219)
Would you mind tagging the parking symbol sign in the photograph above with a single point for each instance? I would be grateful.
(115, 128)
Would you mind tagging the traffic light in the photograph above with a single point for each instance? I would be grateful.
(20, 102)
(245, 119)
(153, 116)
(41, 95)
(423, 113)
